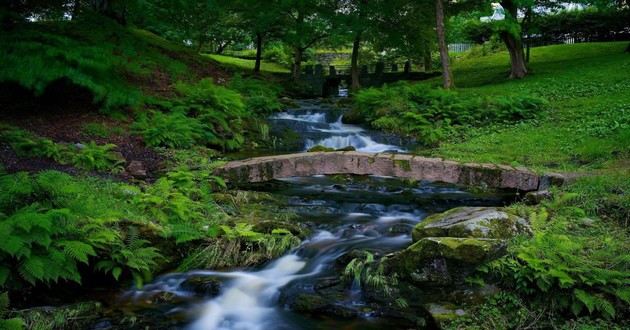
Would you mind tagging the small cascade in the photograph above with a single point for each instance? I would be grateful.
(247, 302)
(368, 214)
(313, 122)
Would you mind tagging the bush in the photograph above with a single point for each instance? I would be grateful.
(261, 97)
(573, 264)
(91, 156)
(277, 52)
(50, 223)
(432, 115)
(88, 156)
(218, 109)
(174, 130)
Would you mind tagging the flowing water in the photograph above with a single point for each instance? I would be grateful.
(375, 214)
(319, 123)
(345, 214)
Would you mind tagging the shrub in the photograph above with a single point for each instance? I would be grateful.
(214, 114)
(92, 156)
(50, 223)
(435, 114)
(88, 156)
(261, 97)
(174, 130)
(572, 263)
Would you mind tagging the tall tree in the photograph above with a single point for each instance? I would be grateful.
(511, 36)
(263, 19)
(447, 75)
(308, 22)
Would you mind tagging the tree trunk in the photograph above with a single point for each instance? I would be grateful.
(428, 62)
(514, 43)
(222, 46)
(259, 41)
(354, 64)
(517, 57)
(297, 64)
(447, 75)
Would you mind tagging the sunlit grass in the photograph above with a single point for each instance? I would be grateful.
(587, 126)
(247, 64)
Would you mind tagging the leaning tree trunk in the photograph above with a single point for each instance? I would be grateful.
(447, 75)
(259, 41)
(514, 43)
(354, 64)
(297, 64)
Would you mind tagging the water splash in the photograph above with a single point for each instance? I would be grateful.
(248, 301)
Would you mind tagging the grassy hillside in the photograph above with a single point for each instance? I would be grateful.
(117, 65)
(587, 124)
(248, 65)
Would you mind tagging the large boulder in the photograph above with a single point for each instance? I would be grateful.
(478, 222)
(465, 250)
(443, 261)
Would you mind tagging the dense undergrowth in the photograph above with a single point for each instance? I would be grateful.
(574, 273)
(433, 115)
(570, 114)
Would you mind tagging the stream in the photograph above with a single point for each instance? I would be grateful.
(345, 214)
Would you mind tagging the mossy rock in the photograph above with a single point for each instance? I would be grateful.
(444, 312)
(428, 257)
(320, 148)
(468, 250)
(471, 222)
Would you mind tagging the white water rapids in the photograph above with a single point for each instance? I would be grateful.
(312, 124)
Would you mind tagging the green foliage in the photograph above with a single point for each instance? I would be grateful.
(51, 223)
(248, 65)
(101, 130)
(174, 130)
(130, 253)
(261, 97)
(239, 246)
(39, 54)
(204, 114)
(571, 263)
(8, 323)
(435, 114)
(89, 156)
(367, 273)
(586, 126)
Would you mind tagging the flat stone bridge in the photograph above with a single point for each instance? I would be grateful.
(268, 168)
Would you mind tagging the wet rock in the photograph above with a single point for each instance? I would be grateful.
(206, 286)
(444, 312)
(467, 250)
(481, 222)
(536, 197)
(137, 169)
(308, 303)
(399, 229)
(320, 148)
(442, 261)
(267, 227)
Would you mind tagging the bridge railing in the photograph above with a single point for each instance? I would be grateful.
(375, 68)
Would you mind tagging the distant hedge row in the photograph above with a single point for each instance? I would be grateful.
(583, 25)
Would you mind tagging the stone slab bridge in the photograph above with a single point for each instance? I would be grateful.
(268, 168)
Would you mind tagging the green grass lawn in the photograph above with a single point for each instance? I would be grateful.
(587, 125)
(247, 64)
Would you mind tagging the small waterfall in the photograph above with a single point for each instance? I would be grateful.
(312, 121)
(247, 302)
